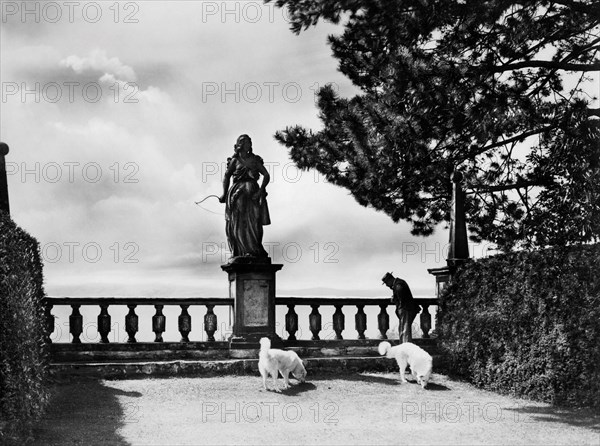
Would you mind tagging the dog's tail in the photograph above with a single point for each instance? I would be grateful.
(265, 344)
(384, 347)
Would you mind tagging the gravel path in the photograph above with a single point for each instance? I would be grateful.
(366, 408)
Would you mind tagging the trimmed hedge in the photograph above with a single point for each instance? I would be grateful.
(527, 324)
(23, 358)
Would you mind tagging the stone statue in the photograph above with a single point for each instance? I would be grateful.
(406, 307)
(246, 210)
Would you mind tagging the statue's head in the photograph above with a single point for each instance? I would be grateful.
(243, 141)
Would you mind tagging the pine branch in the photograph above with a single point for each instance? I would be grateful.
(547, 64)
(515, 138)
(593, 112)
(477, 189)
(582, 7)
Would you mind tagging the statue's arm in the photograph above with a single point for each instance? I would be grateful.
(266, 177)
(227, 179)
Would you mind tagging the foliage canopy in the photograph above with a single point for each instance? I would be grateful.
(496, 89)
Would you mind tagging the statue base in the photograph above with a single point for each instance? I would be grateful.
(249, 260)
(252, 287)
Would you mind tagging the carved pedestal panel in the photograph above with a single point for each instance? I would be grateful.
(252, 287)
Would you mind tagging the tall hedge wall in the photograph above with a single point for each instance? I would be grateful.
(23, 392)
(527, 324)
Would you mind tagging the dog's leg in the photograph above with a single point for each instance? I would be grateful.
(286, 379)
(264, 379)
(275, 375)
(414, 373)
(402, 364)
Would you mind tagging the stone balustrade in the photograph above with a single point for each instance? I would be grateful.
(131, 319)
(210, 321)
(338, 318)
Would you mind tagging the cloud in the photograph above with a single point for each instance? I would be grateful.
(161, 146)
(97, 60)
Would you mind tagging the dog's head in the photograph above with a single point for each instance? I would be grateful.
(384, 347)
(423, 379)
(299, 372)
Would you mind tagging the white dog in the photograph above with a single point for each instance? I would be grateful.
(272, 361)
(419, 360)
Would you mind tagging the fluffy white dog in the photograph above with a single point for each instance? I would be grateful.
(419, 360)
(272, 361)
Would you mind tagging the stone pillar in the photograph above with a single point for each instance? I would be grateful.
(252, 287)
(458, 251)
(442, 277)
(459, 245)
(3, 181)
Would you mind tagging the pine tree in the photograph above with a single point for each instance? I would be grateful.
(495, 89)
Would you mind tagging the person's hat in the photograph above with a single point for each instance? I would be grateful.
(388, 276)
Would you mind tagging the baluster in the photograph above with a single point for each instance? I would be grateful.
(314, 320)
(185, 323)
(76, 324)
(210, 323)
(104, 323)
(158, 323)
(383, 321)
(131, 323)
(425, 321)
(338, 322)
(361, 321)
(291, 322)
(49, 322)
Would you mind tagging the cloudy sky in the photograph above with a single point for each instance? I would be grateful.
(120, 116)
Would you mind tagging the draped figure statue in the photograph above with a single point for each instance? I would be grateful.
(246, 210)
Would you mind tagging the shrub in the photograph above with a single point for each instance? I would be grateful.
(23, 358)
(527, 324)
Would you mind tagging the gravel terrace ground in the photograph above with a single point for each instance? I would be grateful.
(360, 408)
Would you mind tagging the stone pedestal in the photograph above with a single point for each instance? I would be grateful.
(252, 286)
